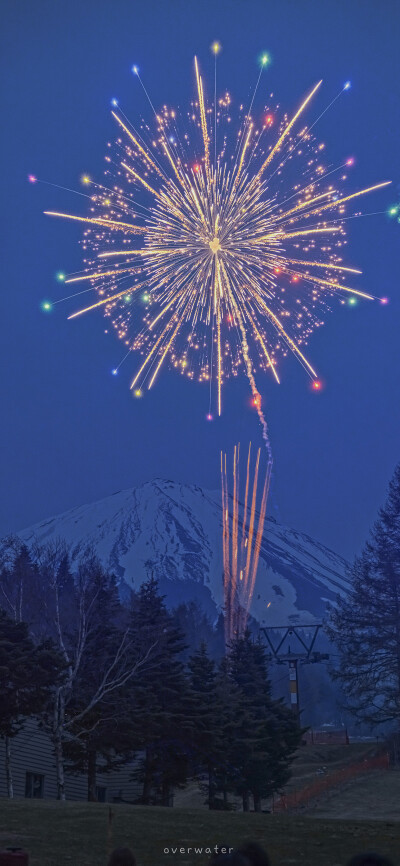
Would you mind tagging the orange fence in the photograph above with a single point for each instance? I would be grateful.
(303, 796)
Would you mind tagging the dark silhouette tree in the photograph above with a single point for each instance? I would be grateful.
(206, 709)
(20, 585)
(161, 720)
(197, 629)
(365, 625)
(268, 733)
(27, 674)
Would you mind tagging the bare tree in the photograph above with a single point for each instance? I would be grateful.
(70, 608)
(65, 608)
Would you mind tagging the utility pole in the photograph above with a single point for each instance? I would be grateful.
(294, 688)
(306, 655)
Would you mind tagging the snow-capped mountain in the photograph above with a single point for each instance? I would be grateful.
(175, 531)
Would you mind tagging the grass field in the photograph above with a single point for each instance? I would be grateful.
(304, 770)
(309, 759)
(376, 796)
(61, 834)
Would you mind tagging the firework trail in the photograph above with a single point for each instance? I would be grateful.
(241, 540)
(215, 242)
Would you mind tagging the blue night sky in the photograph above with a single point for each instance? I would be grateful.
(71, 432)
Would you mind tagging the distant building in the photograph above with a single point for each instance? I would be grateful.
(34, 772)
(326, 737)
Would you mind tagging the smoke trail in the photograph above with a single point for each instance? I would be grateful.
(255, 392)
(250, 375)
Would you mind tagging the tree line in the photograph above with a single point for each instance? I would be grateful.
(113, 682)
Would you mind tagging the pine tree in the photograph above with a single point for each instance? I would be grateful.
(230, 714)
(206, 710)
(19, 590)
(19, 582)
(268, 734)
(365, 625)
(27, 673)
(197, 629)
(161, 724)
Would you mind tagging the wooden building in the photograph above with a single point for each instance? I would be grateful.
(34, 772)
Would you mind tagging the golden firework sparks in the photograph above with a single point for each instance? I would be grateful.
(225, 226)
(241, 539)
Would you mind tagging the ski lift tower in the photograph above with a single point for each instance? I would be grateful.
(282, 655)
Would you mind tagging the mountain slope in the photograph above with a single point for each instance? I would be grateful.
(175, 531)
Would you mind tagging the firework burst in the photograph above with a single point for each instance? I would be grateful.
(216, 241)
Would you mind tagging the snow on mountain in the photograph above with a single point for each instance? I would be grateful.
(175, 531)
